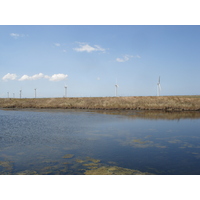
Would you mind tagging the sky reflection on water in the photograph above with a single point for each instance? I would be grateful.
(40, 142)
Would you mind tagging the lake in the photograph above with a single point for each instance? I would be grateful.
(76, 142)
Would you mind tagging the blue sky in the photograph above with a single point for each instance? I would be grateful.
(89, 60)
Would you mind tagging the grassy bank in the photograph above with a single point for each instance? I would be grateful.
(168, 103)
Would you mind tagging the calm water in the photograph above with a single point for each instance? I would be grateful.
(76, 141)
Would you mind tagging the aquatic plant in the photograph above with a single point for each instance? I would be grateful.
(68, 156)
(7, 165)
(114, 170)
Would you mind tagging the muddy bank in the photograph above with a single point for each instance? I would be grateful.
(167, 103)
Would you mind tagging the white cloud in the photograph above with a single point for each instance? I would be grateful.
(16, 35)
(120, 60)
(98, 48)
(57, 44)
(55, 77)
(86, 47)
(34, 77)
(9, 77)
(38, 76)
(58, 77)
(137, 56)
(25, 77)
(126, 58)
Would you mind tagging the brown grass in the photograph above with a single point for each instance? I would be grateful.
(167, 103)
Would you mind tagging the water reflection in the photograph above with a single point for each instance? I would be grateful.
(99, 142)
(154, 115)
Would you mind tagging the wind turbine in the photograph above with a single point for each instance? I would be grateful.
(116, 86)
(20, 94)
(35, 92)
(65, 91)
(158, 87)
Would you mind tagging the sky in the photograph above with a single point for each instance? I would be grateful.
(91, 59)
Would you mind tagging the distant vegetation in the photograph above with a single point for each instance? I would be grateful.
(168, 103)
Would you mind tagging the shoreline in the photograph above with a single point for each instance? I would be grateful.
(164, 103)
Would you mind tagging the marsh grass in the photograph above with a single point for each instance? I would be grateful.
(167, 103)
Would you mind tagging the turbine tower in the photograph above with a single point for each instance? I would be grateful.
(116, 86)
(35, 92)
(65, 91)
(20, 94)
(158, 87)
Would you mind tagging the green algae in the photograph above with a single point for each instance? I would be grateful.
(189, 145)
(95, 167)
(55, 169)
(80, 161)
(68, 156)
(114, 170)
(64, 170)
(6, 165)
(112, 163)
(175, 141)
(27, 172)
(67, 163)
(84, 166)
(93, 160)
(140, 141)
(155, 170)
(90, 164)
(146, 143)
